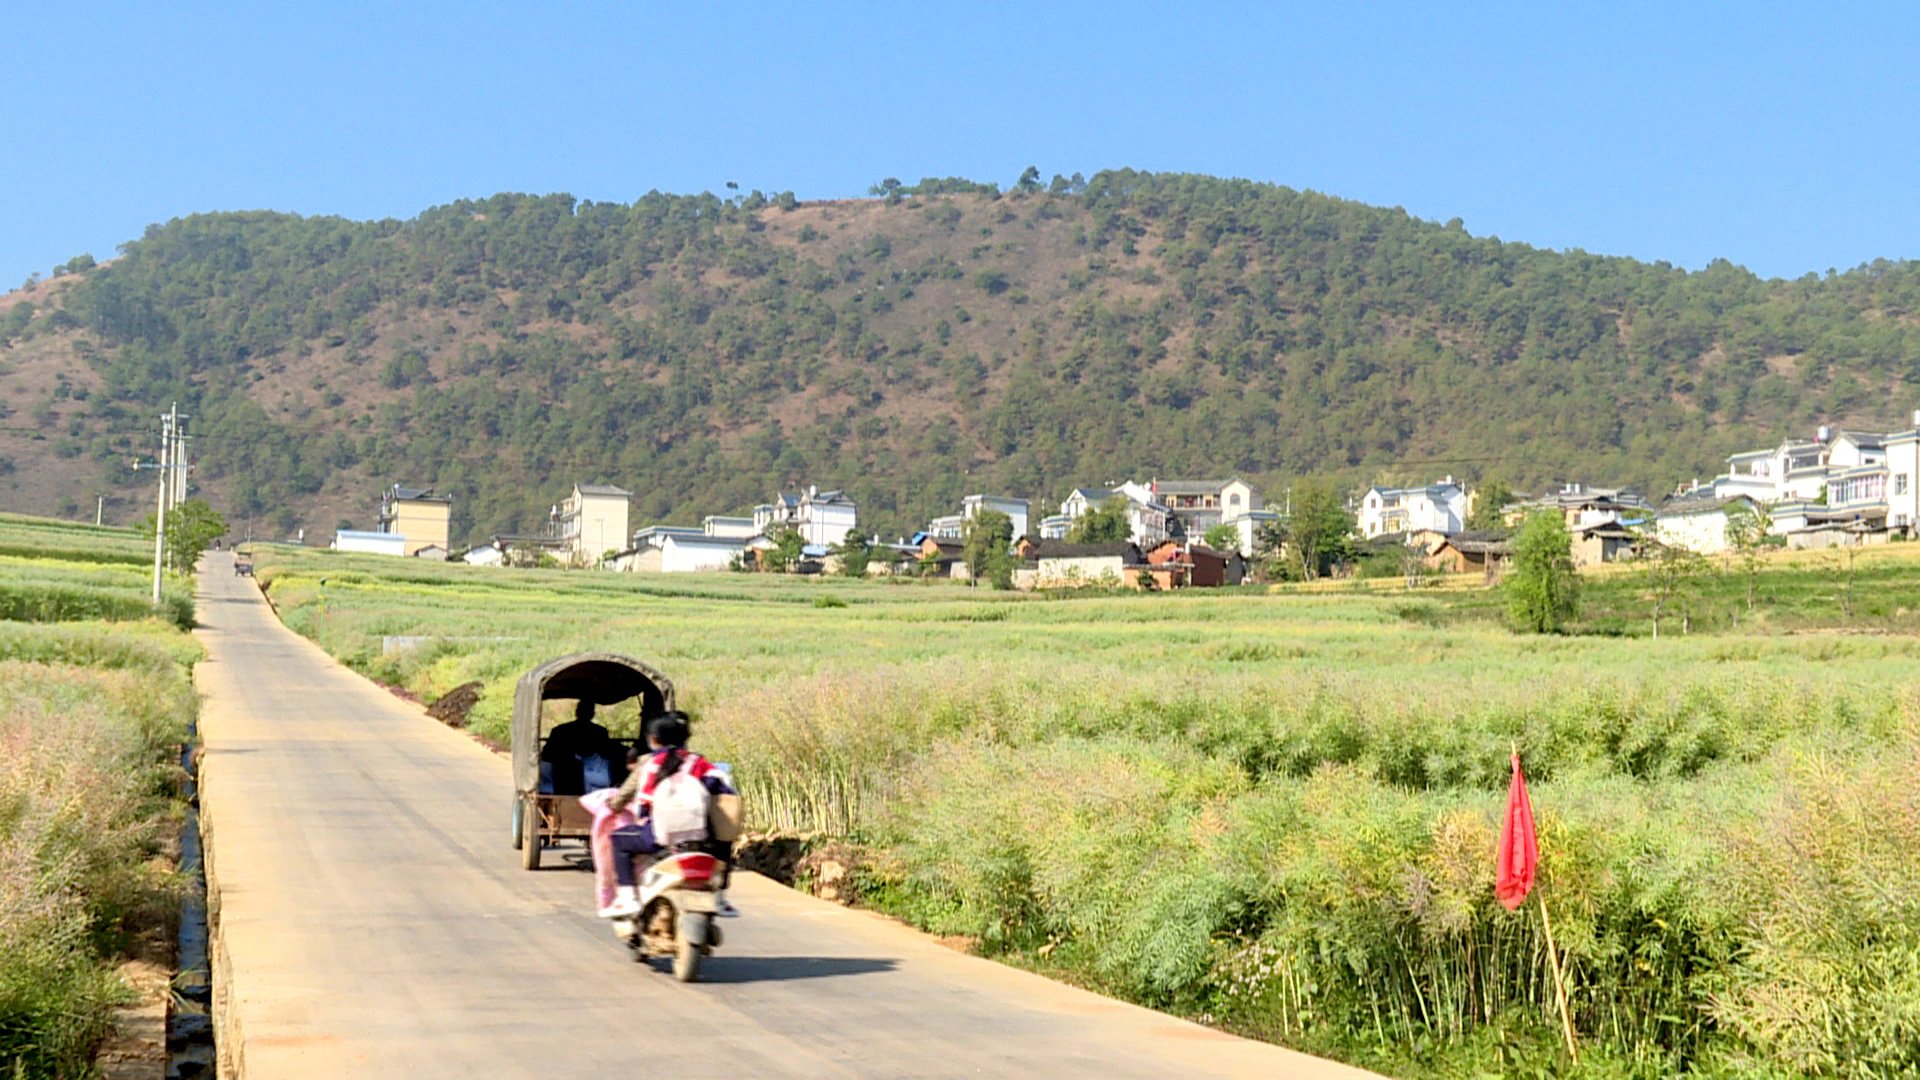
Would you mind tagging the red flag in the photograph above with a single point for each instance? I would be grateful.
(1519, 849)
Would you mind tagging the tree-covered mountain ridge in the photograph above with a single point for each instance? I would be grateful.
(912, 349)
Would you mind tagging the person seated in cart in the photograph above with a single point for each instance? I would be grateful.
(570, 752)
(667, 742)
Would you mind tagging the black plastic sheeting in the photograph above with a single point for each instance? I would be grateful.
(190, 1049)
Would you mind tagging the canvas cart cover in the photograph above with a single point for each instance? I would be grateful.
(599, 677)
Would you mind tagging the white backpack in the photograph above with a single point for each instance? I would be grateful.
(680, 807)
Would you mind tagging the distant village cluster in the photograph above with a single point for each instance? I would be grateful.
(1837, 488)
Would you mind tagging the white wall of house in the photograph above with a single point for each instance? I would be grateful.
(822, 518)
(729, 528)
(1016, 509)
(1903, 481)
(370, 543)
(686, 555)
(1440, 507)
(1088, 570)
(484, 555)
(1704, 532)
(1248, 526)
(826, 524)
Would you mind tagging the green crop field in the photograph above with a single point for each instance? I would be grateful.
(95, 701)
(1277, 812)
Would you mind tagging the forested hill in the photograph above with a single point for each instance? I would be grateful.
(913, 348)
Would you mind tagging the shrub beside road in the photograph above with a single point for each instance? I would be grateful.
(94, 702)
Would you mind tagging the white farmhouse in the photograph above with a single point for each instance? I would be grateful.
(823, 518)
(1439, 508)
(954, 526)
(1697, 520)
(1903, 479)
(1148, 519)
(671, 549)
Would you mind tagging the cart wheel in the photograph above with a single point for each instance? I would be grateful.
(530, 837)
(519, 811)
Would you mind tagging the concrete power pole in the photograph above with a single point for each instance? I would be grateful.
(160, 518)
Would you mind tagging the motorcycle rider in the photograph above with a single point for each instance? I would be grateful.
(667, 736)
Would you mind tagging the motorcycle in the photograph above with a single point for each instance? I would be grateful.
(677, 913)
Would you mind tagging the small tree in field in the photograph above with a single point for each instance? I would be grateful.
(1747, 529)
(785, 553)
(854, 552)
(987, 550)
(1320, 529)
(191, 528)
(1670, 570)
(1543, 591)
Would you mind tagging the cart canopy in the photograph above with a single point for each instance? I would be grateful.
(599, 677)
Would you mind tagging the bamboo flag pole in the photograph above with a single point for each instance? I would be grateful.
(1520, 814)
(1559, 987)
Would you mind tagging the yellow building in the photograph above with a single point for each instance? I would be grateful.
(421, 518)
(593, 522)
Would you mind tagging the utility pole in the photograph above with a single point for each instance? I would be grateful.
(160, 518)
(173, 486)
(99, 507)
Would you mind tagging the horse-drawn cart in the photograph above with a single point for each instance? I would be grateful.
(541, 815)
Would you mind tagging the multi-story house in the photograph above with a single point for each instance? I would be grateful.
(1584, 506)
(1199, 505)
(954, 526)
(421, 518)
(592, 522)
(1440, 508)
(823, 518)
(1903, 479)
(1147, 518)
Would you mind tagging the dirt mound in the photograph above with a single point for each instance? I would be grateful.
(453, 707)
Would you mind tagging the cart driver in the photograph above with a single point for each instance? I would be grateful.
(569, 746)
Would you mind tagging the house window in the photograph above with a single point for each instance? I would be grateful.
(1899, 483)
(1234, 499)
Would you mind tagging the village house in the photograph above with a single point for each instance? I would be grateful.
(592, 522)
(1440, 507)
(1247, 526)
(1584, 505)
(823, 518)
(673, 549)
(1697, 520)
(954, 526)
(1176, 565)
(946, 555)
(1903, 480)
(417, 516)
(1148, 521)
(1800, 469)
(1481, 551)
(483, 555)
(1060, 565)
(1605, 542)
(727, 528)
(1199, 505)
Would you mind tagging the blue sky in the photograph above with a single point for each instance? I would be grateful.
(1780, 137)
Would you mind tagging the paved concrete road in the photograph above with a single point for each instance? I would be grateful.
(373, 920)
